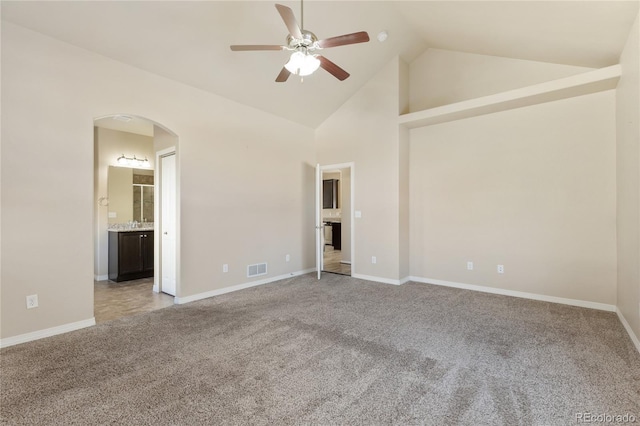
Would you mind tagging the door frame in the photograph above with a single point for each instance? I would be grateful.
(352, 169)
(157, 252)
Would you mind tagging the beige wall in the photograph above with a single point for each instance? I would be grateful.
(246, 191)
(440, 77)
(120, 190)
(162, 139)
(347, 214)
(628, 176)
(532, 189)
(404, 202)
(365, 131)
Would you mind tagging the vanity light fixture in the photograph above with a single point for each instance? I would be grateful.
(133, 162)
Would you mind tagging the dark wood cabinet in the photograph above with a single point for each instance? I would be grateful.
(336, 236)
(130, 255)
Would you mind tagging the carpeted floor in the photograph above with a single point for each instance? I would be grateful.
(339, 351)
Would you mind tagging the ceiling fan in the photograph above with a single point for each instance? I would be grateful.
(304, 44)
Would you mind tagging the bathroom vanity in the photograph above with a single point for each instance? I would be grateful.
(130, 254)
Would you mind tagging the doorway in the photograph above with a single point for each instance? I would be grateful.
(129, 145)
(336, 199)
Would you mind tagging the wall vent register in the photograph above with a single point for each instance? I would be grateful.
(257, 270)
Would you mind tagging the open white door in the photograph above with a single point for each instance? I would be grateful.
(319, 236)
(168, 223)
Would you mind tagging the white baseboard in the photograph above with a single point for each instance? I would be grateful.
(218, 292)
(627, 327)
(380, 279)
(47, 332)
(522, 294)
(101, 277)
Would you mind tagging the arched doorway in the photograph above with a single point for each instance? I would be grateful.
(130, 253)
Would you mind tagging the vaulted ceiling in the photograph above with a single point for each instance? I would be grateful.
(188, 41)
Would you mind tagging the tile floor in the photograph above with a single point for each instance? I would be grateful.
(114, 300)
(332, 262)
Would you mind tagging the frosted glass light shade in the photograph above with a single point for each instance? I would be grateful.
(302, 64)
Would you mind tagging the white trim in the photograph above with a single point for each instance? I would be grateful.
(47, 332)
(522, 294)
(318, 223)
(218, 292)
(335, 167)
(101, 277)
(380, 279)
(157, 242)
(627, 327)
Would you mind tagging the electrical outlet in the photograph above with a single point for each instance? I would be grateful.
(469, 266)
(501, 269)
(287, 258)
(32, 301)
(373, 259)
(225, 268)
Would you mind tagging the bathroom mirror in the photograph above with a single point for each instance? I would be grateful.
(130, 194)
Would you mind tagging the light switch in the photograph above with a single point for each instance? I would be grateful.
(113, 215)
(358, 214)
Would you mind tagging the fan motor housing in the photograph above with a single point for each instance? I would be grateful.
(308, 40)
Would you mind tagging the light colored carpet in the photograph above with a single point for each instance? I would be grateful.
(339, 351)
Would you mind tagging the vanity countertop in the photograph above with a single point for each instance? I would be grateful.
(140, 228)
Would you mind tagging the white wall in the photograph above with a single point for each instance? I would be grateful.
(440, 77)
(246, 191)
(628, 178)
(364, 130)
(532, 189)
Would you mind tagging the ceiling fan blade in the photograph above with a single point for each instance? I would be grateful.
(332, 68)
(359, 37)
(290, 21)
(283, 76)
(242, 47)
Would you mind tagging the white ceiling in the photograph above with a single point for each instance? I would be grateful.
(188, 41)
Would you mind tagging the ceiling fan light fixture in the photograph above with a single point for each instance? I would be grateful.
(303, 44)
(302, 64)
